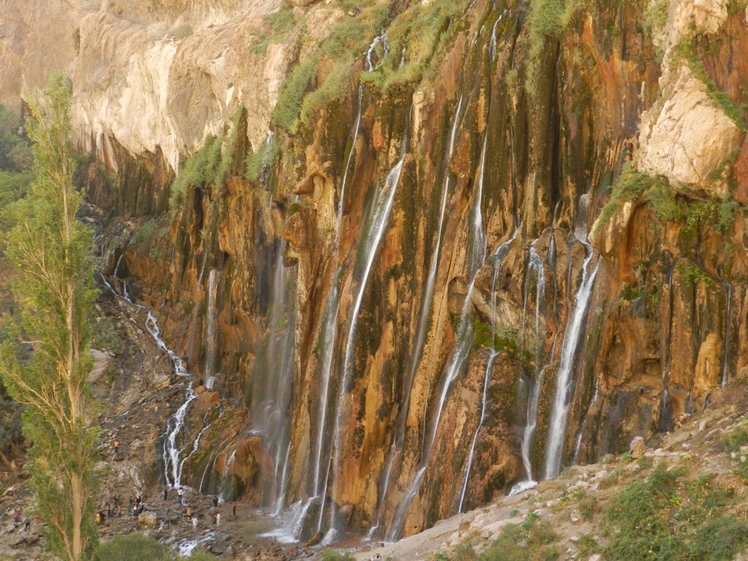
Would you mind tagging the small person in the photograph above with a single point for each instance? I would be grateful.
(218, 519)
(26, 524)
(233, 508)
(215, 500)
(180, 492)
(17, 516)
(166, 493)
(116, 449)
(194, 523)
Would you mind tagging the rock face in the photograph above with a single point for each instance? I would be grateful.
(389, 303)
(686, 135)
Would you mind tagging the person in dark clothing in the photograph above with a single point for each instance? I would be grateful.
(215, 500)
(233, 508)
(26, 524)
(166, 493)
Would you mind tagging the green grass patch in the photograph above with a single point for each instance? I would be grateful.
(666, 517)
(733, 440)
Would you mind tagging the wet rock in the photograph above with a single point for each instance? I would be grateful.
(315, 539)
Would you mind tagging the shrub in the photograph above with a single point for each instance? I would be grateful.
(532, 540)
(332, 555)
(332, 89)
(629, 186)
(199, 170)
(666, 518)
(132, 547)
(733, 440)
(286, 111)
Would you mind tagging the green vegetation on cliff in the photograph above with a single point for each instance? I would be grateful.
(668, 204)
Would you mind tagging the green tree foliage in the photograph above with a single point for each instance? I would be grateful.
(47, 367)
(15, 165)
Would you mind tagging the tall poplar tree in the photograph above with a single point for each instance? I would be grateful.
(47, 367)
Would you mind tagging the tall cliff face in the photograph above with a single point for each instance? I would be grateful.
(424, 264)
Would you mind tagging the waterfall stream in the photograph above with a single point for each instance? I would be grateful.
(497, 258)
(573, 335)
(372, 237)
(399, 435)
(477, 241)
(175, 423)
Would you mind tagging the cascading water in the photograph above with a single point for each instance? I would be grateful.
(725, 354)
(461, 350)
(328, 331)
(372, 236)
(572, 336)
(171, 448)
(210, 332)
(497, 258)
(580, 432)
(428, 295)
(274, 377)
(535, 266)
(379, 41)
(175, 423)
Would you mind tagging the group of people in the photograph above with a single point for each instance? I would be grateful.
(17, 512)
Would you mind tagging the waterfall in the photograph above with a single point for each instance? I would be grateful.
(535, 265)
(371, 238)
(497, 258)
(381, 39)
(399, 435)
(328, 325)
(274, 377)
(210, 331)
(175, 423)
(580, 432)
(477, 241)
(174, 426)
(725, 354)
(572, 336)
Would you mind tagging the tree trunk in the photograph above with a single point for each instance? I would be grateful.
(76, 488)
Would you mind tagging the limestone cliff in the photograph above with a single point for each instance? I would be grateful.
(378, 250)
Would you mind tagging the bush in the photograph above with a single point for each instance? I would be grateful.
(201, 169)
(665, 518)
(132, 547)
(530, 541)
(733, 440)
(286, 112)
(332, 555)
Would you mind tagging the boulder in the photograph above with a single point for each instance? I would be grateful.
(102, 362)
(147, 520)
(637, 447)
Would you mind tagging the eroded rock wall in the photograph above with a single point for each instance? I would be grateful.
(389, 293)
